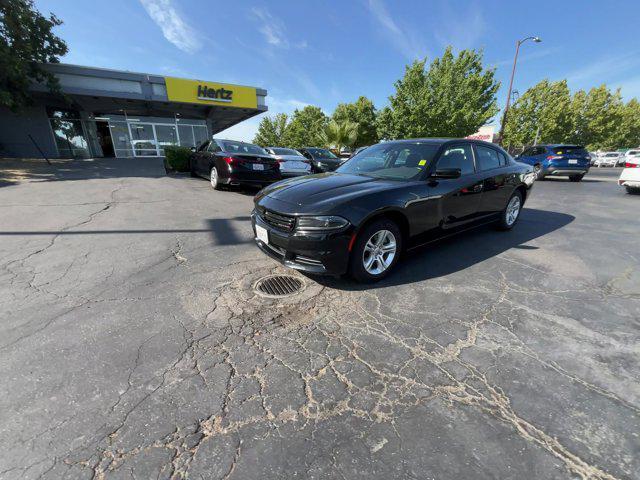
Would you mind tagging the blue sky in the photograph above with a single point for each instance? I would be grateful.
(327, 52)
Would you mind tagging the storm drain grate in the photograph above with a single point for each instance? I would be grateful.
(278, 285)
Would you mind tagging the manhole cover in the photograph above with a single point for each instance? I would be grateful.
(278, 285)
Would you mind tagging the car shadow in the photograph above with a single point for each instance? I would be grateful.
(460, 252)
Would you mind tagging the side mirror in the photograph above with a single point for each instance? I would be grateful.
(444, 173)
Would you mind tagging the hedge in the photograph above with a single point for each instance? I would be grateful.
(177, 158)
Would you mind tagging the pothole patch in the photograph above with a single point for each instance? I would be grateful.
(278, 286)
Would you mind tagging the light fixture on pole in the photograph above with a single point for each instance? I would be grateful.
(513, 72)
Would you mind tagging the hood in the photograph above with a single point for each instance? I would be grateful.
(320, 192)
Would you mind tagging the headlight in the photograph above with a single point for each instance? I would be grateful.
(329, 222)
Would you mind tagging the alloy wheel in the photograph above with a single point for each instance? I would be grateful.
(379, 252)
(214, 177)
(513, 210)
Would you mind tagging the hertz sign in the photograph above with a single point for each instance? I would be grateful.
(209, 93)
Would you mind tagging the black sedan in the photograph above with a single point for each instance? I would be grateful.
(388, 198)
(227, 162)
(322, 160)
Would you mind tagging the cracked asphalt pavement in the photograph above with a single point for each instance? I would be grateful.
(133, 346)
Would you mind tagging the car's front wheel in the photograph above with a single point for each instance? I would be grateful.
(215, 179)
(511, 213)
(376, 251)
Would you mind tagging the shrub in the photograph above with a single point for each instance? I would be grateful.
(177, 158)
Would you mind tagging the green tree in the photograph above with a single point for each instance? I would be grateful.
(338, 135)
(597, 115)
(26, 42)
(363, 113)
(306, 127)
(272, 131)
(543, 113)
(629, 132)
(454, 97)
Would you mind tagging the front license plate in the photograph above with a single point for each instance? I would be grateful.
(262, 234)
(258, 166)
(573, 162)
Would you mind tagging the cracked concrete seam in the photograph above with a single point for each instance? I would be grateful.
(247, 320)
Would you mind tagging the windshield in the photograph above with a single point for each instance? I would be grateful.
(285, 151)
(240, 147)
(321, 153)
(394, 161)
(568, 150)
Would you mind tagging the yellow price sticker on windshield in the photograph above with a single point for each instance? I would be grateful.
(422, 163)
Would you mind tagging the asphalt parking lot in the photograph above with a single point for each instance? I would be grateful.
(133, 346)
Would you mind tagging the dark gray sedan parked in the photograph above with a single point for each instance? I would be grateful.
(292, 162)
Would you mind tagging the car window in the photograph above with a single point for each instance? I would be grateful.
(213, 147)
(504, 161)
(392, 160)
(487, 158)
(204, 146)
(458, 156)
(231, 146)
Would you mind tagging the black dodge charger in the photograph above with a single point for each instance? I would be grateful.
(386, 199)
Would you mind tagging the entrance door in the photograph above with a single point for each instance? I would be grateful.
(143, 140)
(104, 139)
(165, 135)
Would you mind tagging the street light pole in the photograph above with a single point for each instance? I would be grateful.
(513, 72)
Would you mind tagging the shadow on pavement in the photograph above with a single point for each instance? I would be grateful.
(15, 171)
(461, 252)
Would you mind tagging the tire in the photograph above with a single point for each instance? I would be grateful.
(575, 178)
(632, 190)
(537, 169)
(214, 179)
(507, 221)
(376, 235)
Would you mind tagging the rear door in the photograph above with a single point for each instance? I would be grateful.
(459, 198)
(492, 165)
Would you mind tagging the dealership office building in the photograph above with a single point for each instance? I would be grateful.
(112, 113)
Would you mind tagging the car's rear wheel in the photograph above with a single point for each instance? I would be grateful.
(215, 179)
(632, 190)
(575, 178)
(376, 251)
(511, 213)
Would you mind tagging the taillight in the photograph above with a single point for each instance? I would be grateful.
(553, 157)
(631, 165)
(232, 160)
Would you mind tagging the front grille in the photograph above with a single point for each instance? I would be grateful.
(282, 222)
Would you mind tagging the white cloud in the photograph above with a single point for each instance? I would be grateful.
(405, 40)
(537, 53)
(174, 28)
(604, 69)
(271, 27)
(464, 27)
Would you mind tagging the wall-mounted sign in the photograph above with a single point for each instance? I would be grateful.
(210, 93)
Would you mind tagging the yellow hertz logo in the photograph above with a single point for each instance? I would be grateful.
(208, 93)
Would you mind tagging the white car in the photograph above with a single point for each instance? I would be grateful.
(632, 154)
(607, 159)
(292, 162)
(630, 176)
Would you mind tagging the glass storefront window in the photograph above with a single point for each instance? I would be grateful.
(186, 136)
(70, 138)
(200, 134)
(165, 135)
(143, 139)
(120, 139)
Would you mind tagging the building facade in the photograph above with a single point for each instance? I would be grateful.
(111, 113)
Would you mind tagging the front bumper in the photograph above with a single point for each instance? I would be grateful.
(317, 253)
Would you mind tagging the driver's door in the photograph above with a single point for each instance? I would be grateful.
(455, 202)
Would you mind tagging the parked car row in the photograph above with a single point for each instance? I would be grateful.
(229, 162)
